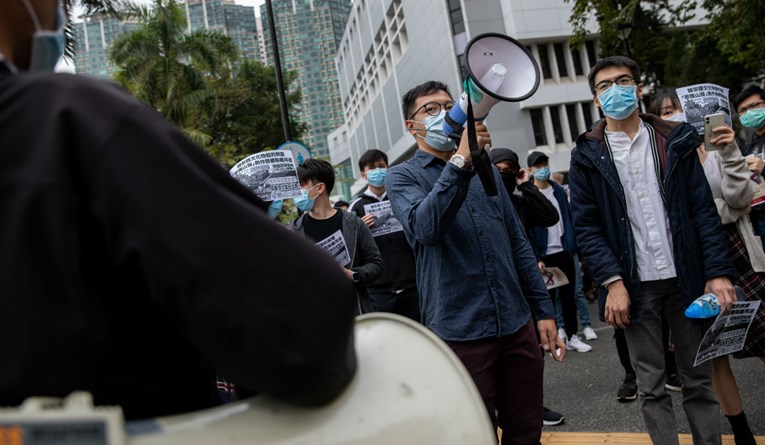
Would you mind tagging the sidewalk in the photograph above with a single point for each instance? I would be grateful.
(568, 438)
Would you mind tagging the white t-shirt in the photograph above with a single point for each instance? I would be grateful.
(554, 233)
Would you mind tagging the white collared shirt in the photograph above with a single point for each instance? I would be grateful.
(645, 206)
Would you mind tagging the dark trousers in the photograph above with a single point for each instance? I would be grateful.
(565, 263)
(508, 372)
(405, 302)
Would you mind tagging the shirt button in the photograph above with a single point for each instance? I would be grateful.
(488, 258)
(480, 233)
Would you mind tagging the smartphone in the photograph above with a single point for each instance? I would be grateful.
(712, 121)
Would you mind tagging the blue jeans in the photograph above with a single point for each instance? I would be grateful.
(579, 299)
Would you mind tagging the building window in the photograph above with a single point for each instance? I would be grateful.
(557, 129)
(455, 13)
(538, 122)
(572, 125)
(560, 59)
(544, 61)
(591, 54)
(587, 108)
(576, 57)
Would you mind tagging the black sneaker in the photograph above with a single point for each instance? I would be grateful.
(551, 418)
(628, 390)
(674, 383)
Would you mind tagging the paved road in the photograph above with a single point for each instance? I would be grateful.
(584, 387)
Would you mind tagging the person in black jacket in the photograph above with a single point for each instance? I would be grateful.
(531, 205)
(132, 265)
(344, 234)
(396, 289)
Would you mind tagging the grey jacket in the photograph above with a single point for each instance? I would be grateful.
(733, 206)
(365, 256)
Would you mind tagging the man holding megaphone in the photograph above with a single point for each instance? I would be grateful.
(476, 273)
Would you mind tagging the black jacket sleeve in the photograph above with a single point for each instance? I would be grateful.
(370, 263)
(266, 308)
(539, 210)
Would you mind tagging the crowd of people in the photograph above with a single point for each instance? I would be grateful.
(129, 260)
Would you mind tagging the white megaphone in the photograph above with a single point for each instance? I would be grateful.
(500, 69)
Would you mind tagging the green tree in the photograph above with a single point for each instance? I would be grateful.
(168, 68)
(245, 117)
(727, 51)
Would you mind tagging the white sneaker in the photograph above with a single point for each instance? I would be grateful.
(576, 344)
(562, 335)
(589, 333)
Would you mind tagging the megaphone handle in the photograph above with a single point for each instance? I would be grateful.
(481, 161)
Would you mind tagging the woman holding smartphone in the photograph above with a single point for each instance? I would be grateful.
(728, 176)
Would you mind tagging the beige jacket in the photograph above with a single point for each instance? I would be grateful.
(733, 200)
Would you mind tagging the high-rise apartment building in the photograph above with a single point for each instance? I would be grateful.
(95, 34)
(308, 33)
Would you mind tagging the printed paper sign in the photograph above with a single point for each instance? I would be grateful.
(702, 100)
(385, 222)
(271, 174)
(335, 245)
(728, 332)
(554, 277)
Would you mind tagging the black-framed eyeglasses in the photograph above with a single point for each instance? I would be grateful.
(753, 106)
(606, 84)
(433, 108)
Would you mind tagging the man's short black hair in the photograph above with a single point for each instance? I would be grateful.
(660, 96)
(340, 204)
(370, 157)
(317, 171)
(746, 94)
(427, 88)
(617, 61)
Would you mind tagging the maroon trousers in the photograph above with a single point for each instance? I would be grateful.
(508, 372)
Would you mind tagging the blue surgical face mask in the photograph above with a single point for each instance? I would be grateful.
(376, 177)
(304, 202)
(275, 208)
(542, 174)
(679, 117)
(619, 101)
(435, 136)
(754, 118)
(47, 46)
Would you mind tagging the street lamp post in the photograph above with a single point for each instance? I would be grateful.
(278, 69)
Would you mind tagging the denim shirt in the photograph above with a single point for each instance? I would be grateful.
(476, 273)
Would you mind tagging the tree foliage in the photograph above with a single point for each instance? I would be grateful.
(196, 81)
(728, 51)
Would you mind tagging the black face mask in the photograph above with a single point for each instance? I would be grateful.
(509, 180)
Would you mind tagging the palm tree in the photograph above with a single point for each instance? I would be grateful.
(168, 68)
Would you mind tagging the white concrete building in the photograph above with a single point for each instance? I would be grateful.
(390, 46)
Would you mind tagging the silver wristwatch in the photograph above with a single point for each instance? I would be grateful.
(460, 161)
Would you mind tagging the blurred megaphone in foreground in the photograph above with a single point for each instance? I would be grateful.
(500, 69)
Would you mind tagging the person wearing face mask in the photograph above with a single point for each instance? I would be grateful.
(646, 223)
(322, 222)
(750, 106)
(555, 246)
(531, 205)
(728, 175)
(476, 272)
(132, 261)
(395, 290)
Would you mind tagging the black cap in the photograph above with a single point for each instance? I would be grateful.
(536, 157)
(498, 155)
